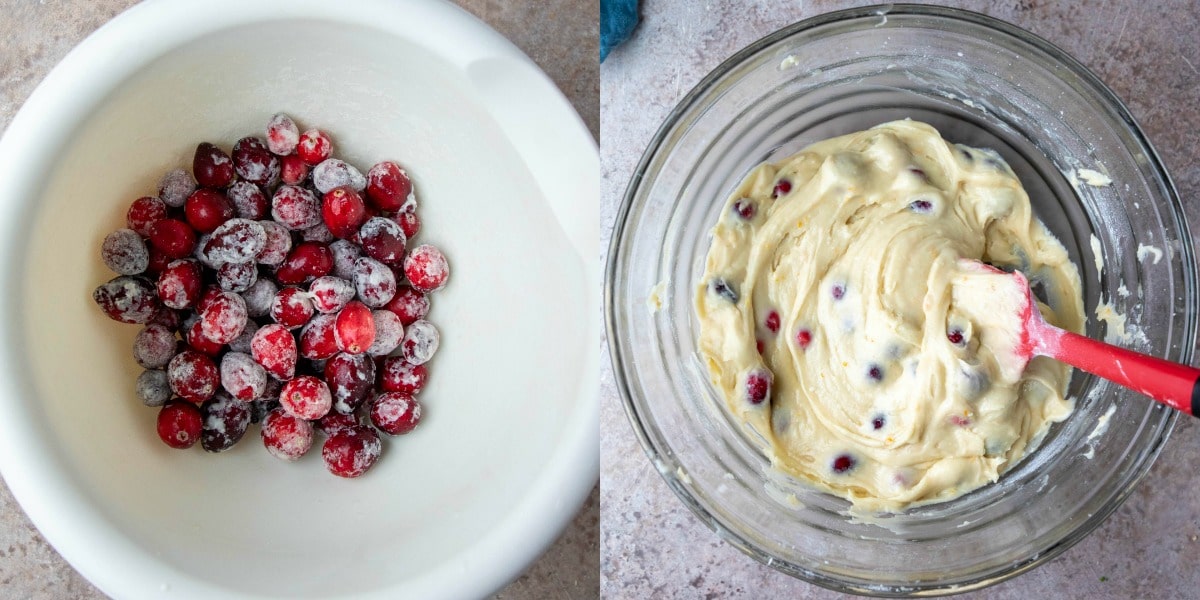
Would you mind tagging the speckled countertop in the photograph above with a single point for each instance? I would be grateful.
(653, 547)
(36, 34)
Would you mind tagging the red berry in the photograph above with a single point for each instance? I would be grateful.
(179, 424)
(127, 299)
(193, 376)
(426, 269)
(259, 297)
(314, 146)
(306, 397)
(158, 261)
(292, 169)
(344, 253)
(744, 208)
(243, 378)
(175, 187)
(207, 209)
(409, 223)
(388, 332)
(277, 246)
(804, 337)
(173, 238)
(212, 167)
(223, 319)
(330, 294)
(237, 277)
(286, 436)
(395, 413)
(207, 296)
(772, 322)
(843, 463)
(351, 377)
(274, 348)
(316, 339)
(343, 211)
(225, 422)
(318, 233)
(282, 135)
(388, 186)
(374, 282)
(308, 260)
(421, 341)
(254, 162)
(179, 284)
(758, 386)
(383, 240)
(143, 213)
(291, 307)
(167, 317)
(197, 341)
(351, 451)
(354, 328)
(335, 421)
(400, 376)
(332, 173)
(782, 188)
(295, 207)
(236, 241)
(955, 336)
(248, 200)
(408, 304)
(124, 252)
(154, 346)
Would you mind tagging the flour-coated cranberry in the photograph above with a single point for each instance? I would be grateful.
(193, 376)
(408, 304)
(758, 386)
(124, 252)
(351, 378)
(343, 211)
(295, 207)
(409, 223)
(335, 421)
(351, 451)
(316, 339)
(308, 260)
(383, 240)
(278, 244)
(292, 307)
(318, 233)
(344, 254)
(426, 268)
(330, 294)
(175, 187)
(223, 319)
(206, 209)
(211, 166)
(420, 343)
(395, 413)
(399, 375)
(158, 261)
(306, 397)
(254, 162)
(388, 186)
(127, 299)
(354, 328)
(374, 282)
(286, 436)
(154, 346)
(314, 146)
(242, 342)
(248, 200)
(173, 238)
(237, 241)
(145, 212)
(179, 424)
(292, 169)
(243, 378)
(167, 317)
(274, 348)
(260, 408)
(282, 134)
(259, 297)
(332, 173)
(388, 332)
(225, 422)
(237, 277)
(744, 208)
(152, 387)
(196, 340)
(201, 257)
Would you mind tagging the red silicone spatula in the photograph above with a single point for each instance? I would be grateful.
(1175, 385)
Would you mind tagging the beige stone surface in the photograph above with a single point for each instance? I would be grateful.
(653, 547)
(36, 34)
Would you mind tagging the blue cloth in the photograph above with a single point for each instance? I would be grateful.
(617, 20)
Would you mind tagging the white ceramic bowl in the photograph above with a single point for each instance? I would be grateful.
(508, 180)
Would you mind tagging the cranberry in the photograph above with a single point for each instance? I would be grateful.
(843, 463)
(285, 436)
(292, 169)
(254, 162)
(308, 260)
(243, 378)
(199, 342)
(316, 339)
(127, 299)
(955, 336)
(225, 422)
(260, 408)
(408, 304)
(388, 332)
(409, 223)
(399, 375)
(758, 386)
(383, 240)
(837, 291)
(295, 207)
(318, 233)
(179, 424)
(804, 337)
(759, 346)
(960, 420)
(249, 201)
(167, 317)
(724, 289)
(236, 241)
(351, 378)
(175, 187)
(744, 208)
(278, 244)
(772, 322)
(781, 188)
(282, 134)
(878, 422)
(354, 328)
(395, 413)
(259, 298)
(212, 167)
(152, 387)
(374, 282)
(242, 342)
(388, 186)
(330, 294)
(158, 261)
(223, 319)
(421, 341)
(173, 238)
(274, 348)
(291, 307)
(333, 173)
(875, 373)
(236, 277)
(344, 253)
(426, 269)
(193, 376)
(314, 146)
(206, 209)
(124, 252)
(921, 206)
(335, 421)
(154, 346)
(306, 397)
(343, 211)
(351, 451)
(143, 213)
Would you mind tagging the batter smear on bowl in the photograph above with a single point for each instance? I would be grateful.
(828, 323)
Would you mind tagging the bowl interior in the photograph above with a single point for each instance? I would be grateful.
(495, 411)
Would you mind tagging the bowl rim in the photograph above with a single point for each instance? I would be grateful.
(676, 118)
(71, 91)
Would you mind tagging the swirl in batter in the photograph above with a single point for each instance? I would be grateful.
(828, 318)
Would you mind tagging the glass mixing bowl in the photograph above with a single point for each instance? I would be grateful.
(981, 82)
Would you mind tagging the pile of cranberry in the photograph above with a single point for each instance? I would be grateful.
(275, 285)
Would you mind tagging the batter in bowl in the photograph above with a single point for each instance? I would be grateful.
(828, 321)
